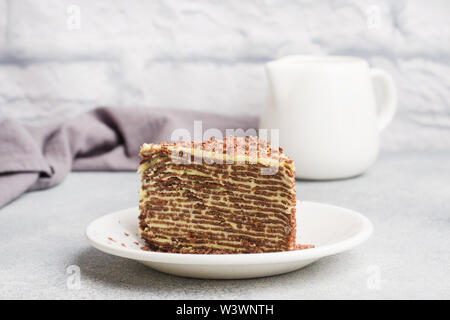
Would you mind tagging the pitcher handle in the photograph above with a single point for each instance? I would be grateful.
(388, 104)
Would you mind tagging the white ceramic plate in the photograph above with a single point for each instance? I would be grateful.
(331, 229)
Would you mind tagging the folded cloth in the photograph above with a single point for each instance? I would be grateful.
(34, 158)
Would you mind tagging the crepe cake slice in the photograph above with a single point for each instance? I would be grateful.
(231, 196)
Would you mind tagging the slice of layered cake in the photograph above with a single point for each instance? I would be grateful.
(231, 196)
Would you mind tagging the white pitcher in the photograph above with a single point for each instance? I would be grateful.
(326, 113)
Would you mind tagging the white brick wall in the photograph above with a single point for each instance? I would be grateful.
(209, 55)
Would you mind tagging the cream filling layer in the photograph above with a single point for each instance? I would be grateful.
(220, 157)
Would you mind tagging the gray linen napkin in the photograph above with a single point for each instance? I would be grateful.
(34, 158)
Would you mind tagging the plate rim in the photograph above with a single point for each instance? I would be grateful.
(229, 259)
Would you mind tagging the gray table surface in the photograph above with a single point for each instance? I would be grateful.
(406, 195)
